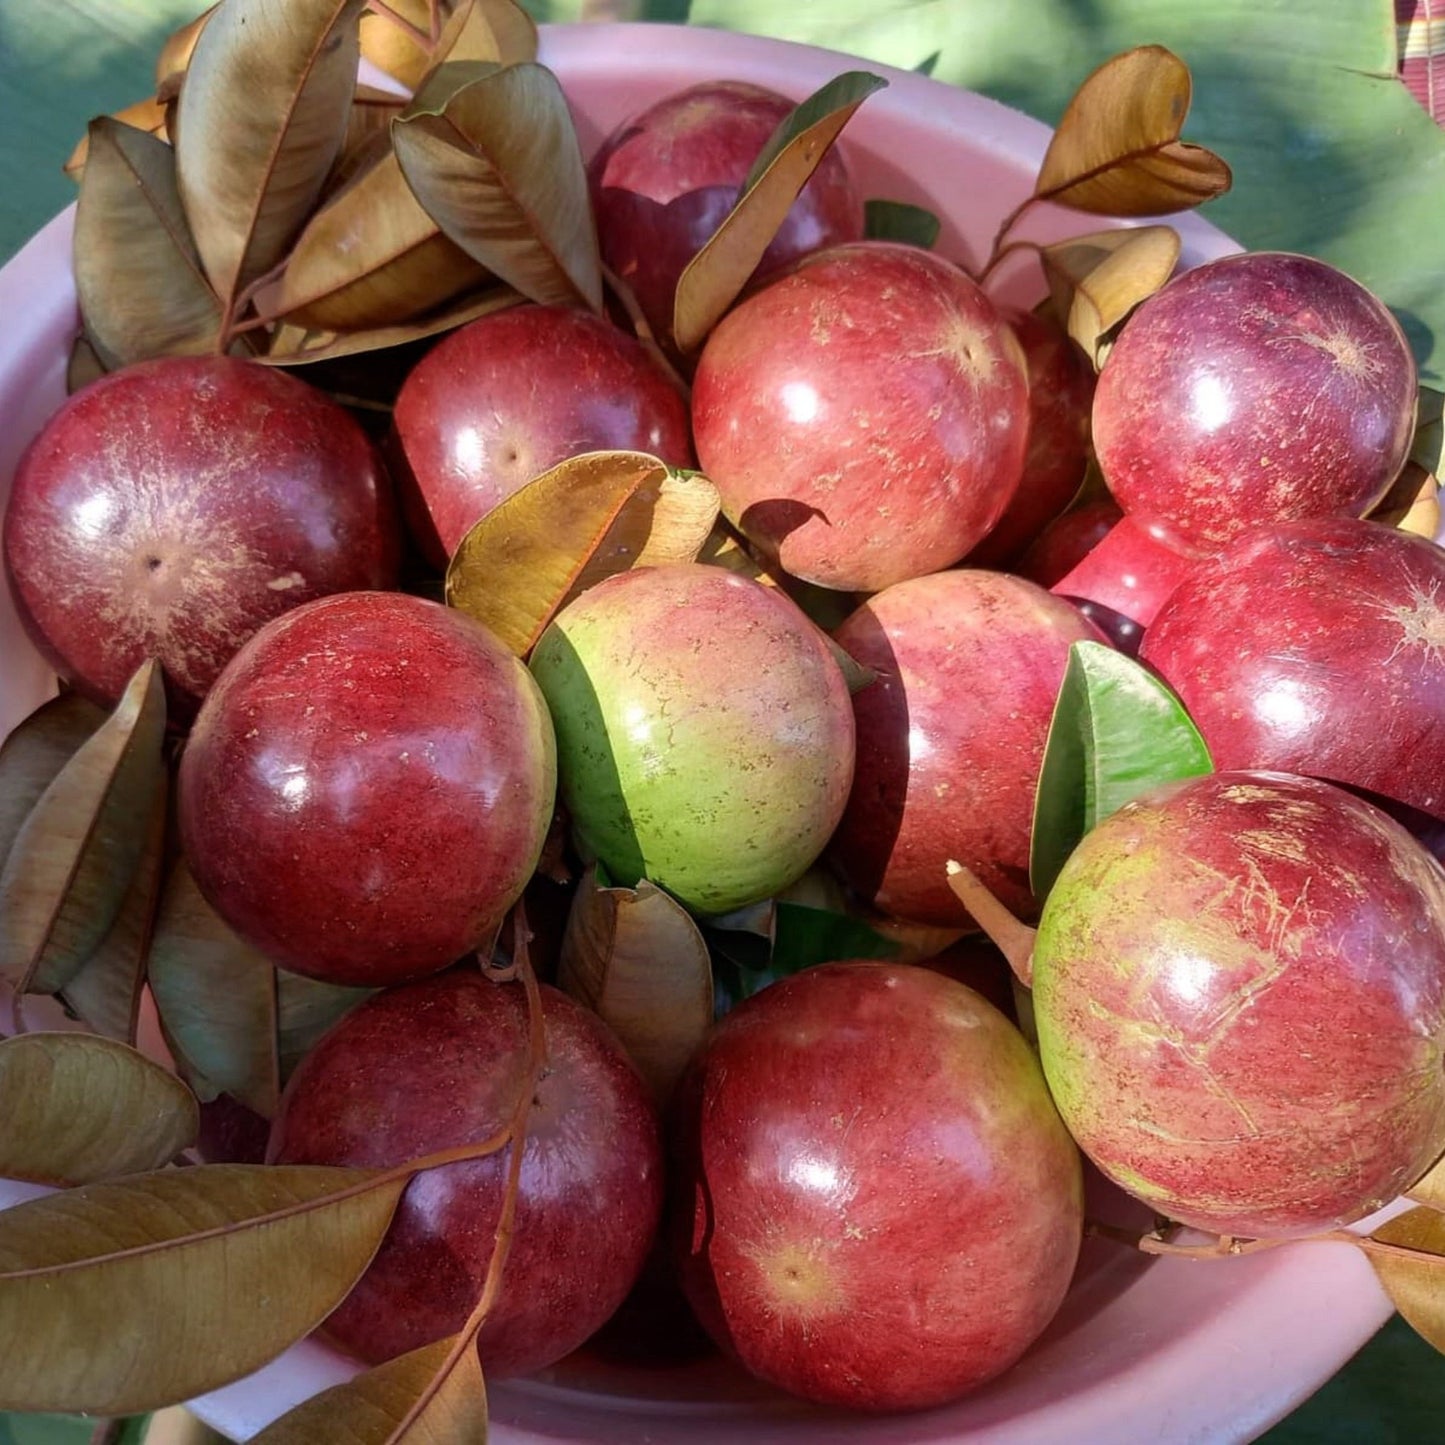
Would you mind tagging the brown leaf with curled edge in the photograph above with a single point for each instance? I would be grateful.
(148, 115)
(216, 997)
(255, 142)
(636, 959)
(370, 257)
(175, 55)
(1412, 504)
(1416, 1286)
(493, 157)
(300, 345)
(1097, 280)
(119, 1298)
(79, 1108)
(36, 750)
(106, 990)
(1430, 1188)
(586, 519)
(78, 849)
(1117, 151)
(368, 138)
(714, 277)
(496, 30)
(143, 291)
(420, 1398)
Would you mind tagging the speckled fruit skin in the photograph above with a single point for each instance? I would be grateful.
(367, 788)
(950, 737)
(864, 416)
(1317, 647)
(1257, 388)
(664, 180)
(1061, 395)
(877, 1205)
(438, 1064)
(704, 734)
(510, 395)
(1239, 985)
(171, 508)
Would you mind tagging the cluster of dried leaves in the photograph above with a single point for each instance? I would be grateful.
(262, 202)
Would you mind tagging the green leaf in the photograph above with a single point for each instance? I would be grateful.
(1331, 154)
(78, 1109)
(216, 997)
(122, 1297)
(898, 221)
(713, 278)
(305, 1009)
(1116, 732)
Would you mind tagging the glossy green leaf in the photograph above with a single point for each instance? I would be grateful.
(74, 857)
(1331, 154)
(635, 957)
(106, 990)
(899, 221)
(714, 277)
(420, 1398)
(36, 750)
(255, 143)
(493, 157)
(216, 997)
(143, 291)
(1116, 732)
(121, 1297)
(78, 1109)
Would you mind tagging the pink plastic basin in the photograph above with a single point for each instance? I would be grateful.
(1161, 1351)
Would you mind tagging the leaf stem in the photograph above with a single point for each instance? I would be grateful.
(1001, 254)
(414, 32)
(1005, 226)
(1015, 940)
(517, 1135)
(1226, 1246)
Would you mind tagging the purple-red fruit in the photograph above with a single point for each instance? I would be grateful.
(367, 789)
(440, 1064)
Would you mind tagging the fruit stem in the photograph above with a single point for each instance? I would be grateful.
(516, 1133)
(1015, 940)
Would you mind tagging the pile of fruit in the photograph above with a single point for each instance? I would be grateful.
(562, 660)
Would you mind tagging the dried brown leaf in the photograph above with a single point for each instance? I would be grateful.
(143, 291)
(1416, 1286)
(148, 115)
(1430, 1189)
(255, 142)
(123, 1297)
(587, 518)
(85, 365)
(216, 997)
(79, 1109)
(1097, 280)
(300, 345)
(78, 849)
(714, 277)
(175, 55)
(36, 750)
(1117, 151)
(370, 257)
(493, 157)
(1412, 504)
(635, 957)
(106, 990)
(495, 30)
(368, 137)
(436, 1408)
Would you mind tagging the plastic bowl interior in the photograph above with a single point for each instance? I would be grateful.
(1142, 1351)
